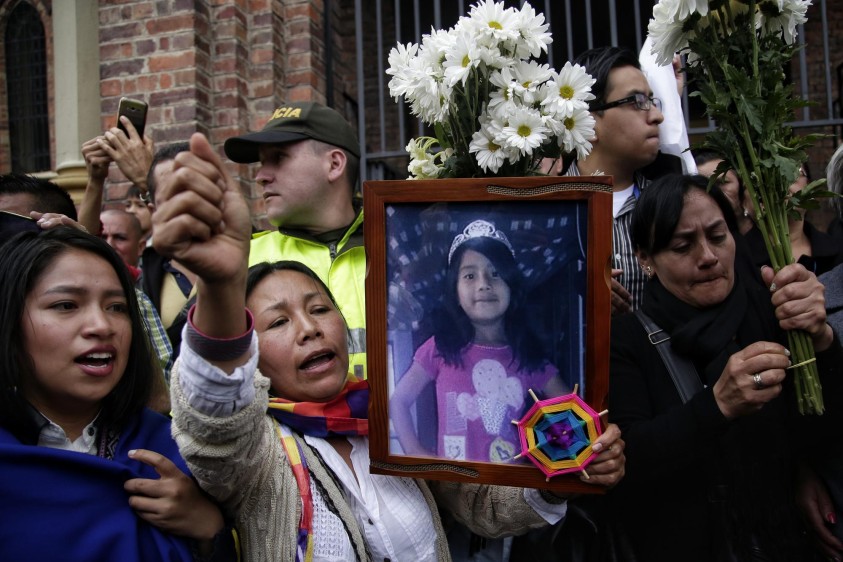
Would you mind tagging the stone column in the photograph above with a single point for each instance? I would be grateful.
(77, 88)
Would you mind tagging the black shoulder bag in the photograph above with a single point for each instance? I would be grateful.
(682, 371)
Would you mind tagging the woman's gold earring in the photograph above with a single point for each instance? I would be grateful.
(649, 271)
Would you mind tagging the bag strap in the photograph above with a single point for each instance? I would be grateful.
(682, 371)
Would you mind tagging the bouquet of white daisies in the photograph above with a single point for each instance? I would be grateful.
(495, 111)
(737, 51)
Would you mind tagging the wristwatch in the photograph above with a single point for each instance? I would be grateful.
(144, 197)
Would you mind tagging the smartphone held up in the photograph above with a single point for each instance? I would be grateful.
(135, 111)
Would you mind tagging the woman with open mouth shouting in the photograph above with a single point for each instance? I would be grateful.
(89, 473)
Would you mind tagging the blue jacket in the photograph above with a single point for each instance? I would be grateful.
(69, 506)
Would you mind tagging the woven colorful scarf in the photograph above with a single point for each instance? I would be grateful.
(347, 414)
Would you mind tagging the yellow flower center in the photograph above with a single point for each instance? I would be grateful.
(566, 92)
(526, 84)
(524, 131)
(493, 147)
(495, 25)
(466, 61)
(569, 123)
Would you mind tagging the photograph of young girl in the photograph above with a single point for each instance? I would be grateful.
(483, 353)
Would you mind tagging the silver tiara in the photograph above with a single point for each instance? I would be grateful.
(479, 229)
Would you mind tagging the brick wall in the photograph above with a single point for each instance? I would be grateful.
(221, 68)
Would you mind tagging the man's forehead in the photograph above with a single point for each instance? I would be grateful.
(114, 222)
(118, 222)
(627, 80)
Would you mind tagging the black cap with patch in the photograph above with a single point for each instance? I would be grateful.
(294, 122)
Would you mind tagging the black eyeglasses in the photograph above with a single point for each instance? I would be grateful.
(641, 101)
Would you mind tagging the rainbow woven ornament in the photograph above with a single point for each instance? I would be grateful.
(557, 434)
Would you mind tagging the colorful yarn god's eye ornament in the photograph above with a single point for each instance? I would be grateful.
(557, 434)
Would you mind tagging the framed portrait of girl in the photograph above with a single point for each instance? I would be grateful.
(482, 296)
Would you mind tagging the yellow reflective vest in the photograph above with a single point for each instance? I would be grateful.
(343, 269)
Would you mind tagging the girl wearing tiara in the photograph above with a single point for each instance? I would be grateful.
(483, 356)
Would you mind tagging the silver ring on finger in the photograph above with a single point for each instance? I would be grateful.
(759, 384)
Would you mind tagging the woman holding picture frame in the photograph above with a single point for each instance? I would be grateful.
(249, 451)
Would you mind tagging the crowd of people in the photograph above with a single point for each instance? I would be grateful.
(205, 386)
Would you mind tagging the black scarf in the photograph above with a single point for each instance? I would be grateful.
(711, 335)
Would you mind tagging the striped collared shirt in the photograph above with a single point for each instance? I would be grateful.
(623, 254)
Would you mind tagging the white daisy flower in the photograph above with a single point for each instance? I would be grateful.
(533, 30)
(400, 58)
(568, 90)
(782, 16)
(404, 69)
(460, 59)
(491, 56)
(575, 132)
(525, 131)
(490, 155)
(493, 21)
(529, 76)
(681, 9)
(433, 49)
(430, 99)
(501, 98)
(669, 35)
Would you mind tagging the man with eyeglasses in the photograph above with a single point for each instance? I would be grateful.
(626, 142)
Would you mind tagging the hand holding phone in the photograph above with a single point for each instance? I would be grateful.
(135, 112)
(133, 155)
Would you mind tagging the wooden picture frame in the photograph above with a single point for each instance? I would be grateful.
(559, 232)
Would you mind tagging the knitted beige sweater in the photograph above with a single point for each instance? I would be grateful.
(240, 461)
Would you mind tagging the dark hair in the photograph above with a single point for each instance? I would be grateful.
(259, 271)
(134, 192)
(163, 154)
(705, 155)
(22, 262)
(599, 62)
(807, 170)
(659, 208)
(47, 196)
(453, 330)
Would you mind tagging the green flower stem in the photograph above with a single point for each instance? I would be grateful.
(752, 157)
